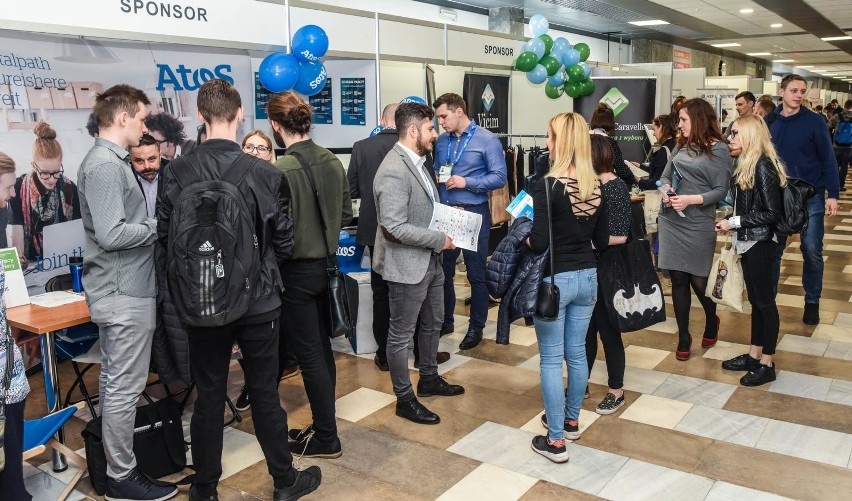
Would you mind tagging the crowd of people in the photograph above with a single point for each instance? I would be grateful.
(170, 288)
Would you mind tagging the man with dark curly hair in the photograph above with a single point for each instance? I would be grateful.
(168, 130)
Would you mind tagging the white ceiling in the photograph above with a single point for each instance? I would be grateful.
(712, 22)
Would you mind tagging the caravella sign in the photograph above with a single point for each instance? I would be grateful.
(181, 19)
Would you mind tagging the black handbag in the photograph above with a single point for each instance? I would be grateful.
(341, 321)
(547, 300)
(158, 444)
(630, 287)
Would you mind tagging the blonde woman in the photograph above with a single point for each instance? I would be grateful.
(756, 191)
(579, 227)
(45, 195)
(259, 144)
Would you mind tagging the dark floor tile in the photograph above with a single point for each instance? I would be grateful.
(816, 413)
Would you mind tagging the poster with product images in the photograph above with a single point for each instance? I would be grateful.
(261, 97)
(353, 109)
(322, 105)
(721, 99)
(632, 100)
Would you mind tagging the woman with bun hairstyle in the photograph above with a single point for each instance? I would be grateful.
(603, 123)
(45, 195)
(694, 181)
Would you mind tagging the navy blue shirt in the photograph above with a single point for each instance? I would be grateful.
(482, 165)
(805, 147)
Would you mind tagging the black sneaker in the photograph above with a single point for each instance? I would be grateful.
(306, 482)
(572, 432)
(811, 315)
(609, 404)
(552, 450)
(438, 386)
(137, 487)
(447, 329)
(313, 448)
(743, 362)
(294, 435)
(243, 402)
(756, 377)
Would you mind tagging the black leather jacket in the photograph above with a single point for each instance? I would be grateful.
(760, 207)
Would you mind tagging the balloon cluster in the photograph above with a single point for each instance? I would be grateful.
(556, 62)
(302, 70)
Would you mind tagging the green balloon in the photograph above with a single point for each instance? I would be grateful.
(584, 51)
(551, 64)
(575, 73)
(574, 90)
(548, 43)
(526, 61)
(588, 87)
(553, 92)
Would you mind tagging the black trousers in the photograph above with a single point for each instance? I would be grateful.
(12, 477)
(757, 265)
(210, 357)
(381, 310)
(305, 313)
(612, 343)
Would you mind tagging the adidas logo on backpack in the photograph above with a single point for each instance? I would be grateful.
(206, 247)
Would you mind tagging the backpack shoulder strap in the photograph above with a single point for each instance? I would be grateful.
(239, 170)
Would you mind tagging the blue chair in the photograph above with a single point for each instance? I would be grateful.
(38, 437)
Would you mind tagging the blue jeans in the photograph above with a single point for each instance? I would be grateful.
(475, 264)
(811, 248)
(565, 338)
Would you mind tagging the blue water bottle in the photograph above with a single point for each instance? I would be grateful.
(75, 263)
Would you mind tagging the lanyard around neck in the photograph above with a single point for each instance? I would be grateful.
(460, 149)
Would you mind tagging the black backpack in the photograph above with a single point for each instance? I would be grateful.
(794, 198)
(214, 259)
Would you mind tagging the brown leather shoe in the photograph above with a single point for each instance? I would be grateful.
(382, 365)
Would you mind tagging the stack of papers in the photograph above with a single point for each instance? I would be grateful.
(58, 298)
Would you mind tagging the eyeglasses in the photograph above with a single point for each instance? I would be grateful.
(250, 148)
(733, 133)
(47, 175)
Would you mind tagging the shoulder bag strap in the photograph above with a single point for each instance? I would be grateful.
(550, 231)
(307, 168)
(7, 373)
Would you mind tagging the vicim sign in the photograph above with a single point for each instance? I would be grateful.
(487, 98)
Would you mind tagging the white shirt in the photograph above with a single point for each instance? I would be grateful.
(150, 191)
(418, 162)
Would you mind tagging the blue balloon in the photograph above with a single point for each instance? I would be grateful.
(279, 72)
(558, 53)
(536, 46)
(375, 131)
(559, 78)
(561, 44)
(570, 57)
(413, 99)
(537, 75)
(312, 78)
(538, 25)
(310, 43)
(587, 70)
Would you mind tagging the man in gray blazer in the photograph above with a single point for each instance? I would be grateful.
(408, 256)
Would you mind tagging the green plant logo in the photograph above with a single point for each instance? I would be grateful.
(615, 100)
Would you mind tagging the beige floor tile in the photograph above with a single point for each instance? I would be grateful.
(669, 326)
(843, 320)
(725, 350)
(522, 335)
(548, 491)
(644, 358)
(834, 333)
(361, 403)
(487, 483)
(656, 411)
(639, 480)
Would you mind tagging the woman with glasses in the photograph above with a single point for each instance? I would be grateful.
(756, 192)
(259, 144)
(45, 195)
(694, 181)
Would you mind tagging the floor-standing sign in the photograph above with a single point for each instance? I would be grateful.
(632, 100)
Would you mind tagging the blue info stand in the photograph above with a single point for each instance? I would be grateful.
(350, 258)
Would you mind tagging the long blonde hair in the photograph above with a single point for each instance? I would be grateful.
(572, 149)
(755, 142)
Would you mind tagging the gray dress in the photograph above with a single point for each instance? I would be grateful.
(687, 243)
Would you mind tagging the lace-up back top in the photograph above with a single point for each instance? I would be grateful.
(576, 224)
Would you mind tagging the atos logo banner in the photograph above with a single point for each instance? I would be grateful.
(183, 78)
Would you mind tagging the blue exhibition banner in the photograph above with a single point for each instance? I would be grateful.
(353, 109)
(261, 97)
(322, 105)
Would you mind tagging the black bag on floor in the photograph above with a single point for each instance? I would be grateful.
(157, 443)
(630, 287)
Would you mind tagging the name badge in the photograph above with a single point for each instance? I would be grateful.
(445, 172)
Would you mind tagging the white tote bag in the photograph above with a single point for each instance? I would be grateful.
(725, 284)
